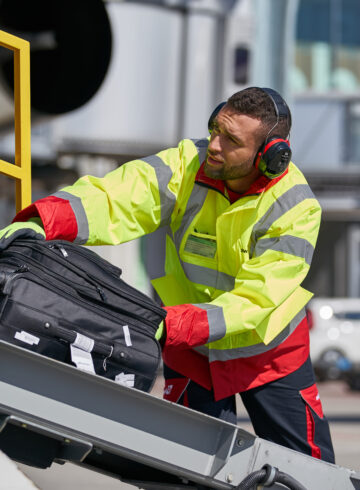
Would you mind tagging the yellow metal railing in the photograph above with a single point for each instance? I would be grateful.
(21, 171)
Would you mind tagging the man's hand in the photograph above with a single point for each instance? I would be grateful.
(19, 229)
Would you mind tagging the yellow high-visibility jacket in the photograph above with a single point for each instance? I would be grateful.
(234, 263)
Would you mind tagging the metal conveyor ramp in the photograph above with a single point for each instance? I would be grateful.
(59, 413)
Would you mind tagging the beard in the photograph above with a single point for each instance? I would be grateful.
(226, 171)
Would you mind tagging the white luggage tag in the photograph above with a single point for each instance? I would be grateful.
(84, 343)
(81, 353)
(125, 379)
(27, 337)
(127, 336)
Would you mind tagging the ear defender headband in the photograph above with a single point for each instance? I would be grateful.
(274, 155)
(213, 115)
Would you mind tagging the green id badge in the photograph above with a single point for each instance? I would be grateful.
(206, 247)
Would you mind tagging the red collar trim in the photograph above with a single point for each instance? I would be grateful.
(260, 185)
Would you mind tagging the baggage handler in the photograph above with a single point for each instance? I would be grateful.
(241, 224)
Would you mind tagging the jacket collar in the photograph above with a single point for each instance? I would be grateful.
(260, 185)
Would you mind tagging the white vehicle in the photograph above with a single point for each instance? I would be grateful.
(335, 339)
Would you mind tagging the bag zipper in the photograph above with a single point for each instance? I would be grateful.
(88, 254)
(49, 246)
(75, 269)
(36, 263)
(135, 299)
(99, 347)
(79, 286)
(6, 279)
(89, 306)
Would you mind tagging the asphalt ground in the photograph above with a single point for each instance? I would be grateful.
(341, 406)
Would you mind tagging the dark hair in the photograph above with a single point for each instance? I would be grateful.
(255, 102)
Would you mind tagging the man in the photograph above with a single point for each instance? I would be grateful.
(241, 225)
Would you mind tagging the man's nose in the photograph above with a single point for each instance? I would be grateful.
(215, 143)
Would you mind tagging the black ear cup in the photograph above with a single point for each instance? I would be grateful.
(274, 158)
(275, 155)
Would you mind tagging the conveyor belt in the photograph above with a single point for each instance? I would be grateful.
(64, 414)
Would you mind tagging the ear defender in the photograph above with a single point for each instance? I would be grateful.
(274, 155)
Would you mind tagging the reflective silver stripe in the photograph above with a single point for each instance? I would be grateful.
(193, 206)
(288, 244)
(161, 236)
(254, 350)
(216, 321)
(80, 215)
(208, 277)
(203, 350)
(197, 273)
(201, 146)
(167, 198)
(204, 275)
(282, 205)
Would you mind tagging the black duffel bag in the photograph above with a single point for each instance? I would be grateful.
(64, 301)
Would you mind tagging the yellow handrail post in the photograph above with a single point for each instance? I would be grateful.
(21, 171)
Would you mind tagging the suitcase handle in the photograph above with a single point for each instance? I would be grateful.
(69, 335)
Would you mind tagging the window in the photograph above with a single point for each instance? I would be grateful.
(348, 315)
(241, 65)
(327, 54)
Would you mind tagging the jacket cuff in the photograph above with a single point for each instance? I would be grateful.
(186, 326)
(57, 217)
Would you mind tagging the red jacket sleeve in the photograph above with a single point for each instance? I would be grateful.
(57, 216)
(186, 326)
